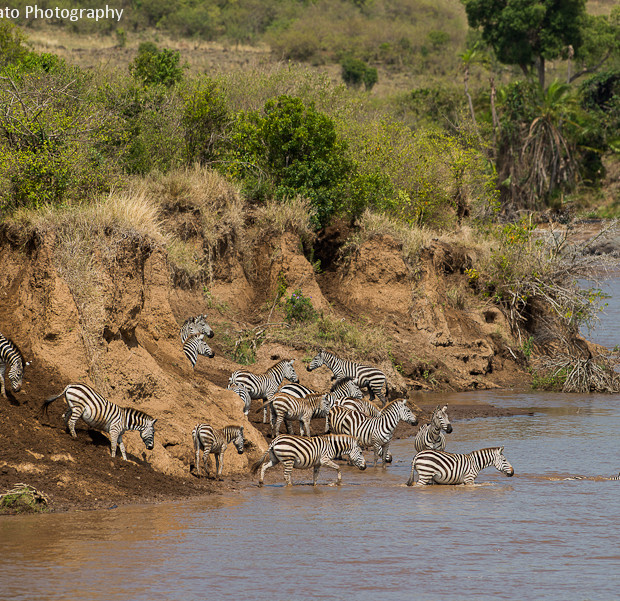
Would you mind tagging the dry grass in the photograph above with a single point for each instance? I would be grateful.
(292, 215)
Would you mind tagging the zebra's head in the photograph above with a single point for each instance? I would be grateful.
(501, 463)
(440, 419)
(239, 441)
(405, 413)
(327, 402)
(16, 374)
(147, 433)
(288, 371)
(317, 361)
(203, 327)
(355, 455)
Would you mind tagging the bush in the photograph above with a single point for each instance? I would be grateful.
(298, 308)
(356, 72)
(152, 66)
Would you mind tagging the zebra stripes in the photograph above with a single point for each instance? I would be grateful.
(591, 478)
(285, 407)
(266, 385)
(101, 414)
(196, 345)
(12, 364)
(363, 406)
(375, 432)
(244, 395)
(194, 326)
(431, 435)
(439, 467)
(210, 440)
(363, 375)
(301, 452)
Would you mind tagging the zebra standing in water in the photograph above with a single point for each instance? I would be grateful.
(101, 414)
(363, 375)
(12, 364)
(215, 441)
(375, 432)
(266, 385)
(301, 452)
(286, 408)
(196, 345)
(431, 435)
(439, 467)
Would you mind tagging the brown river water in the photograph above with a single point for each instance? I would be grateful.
(533, 536)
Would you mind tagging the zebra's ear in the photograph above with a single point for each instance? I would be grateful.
(28, 362)
(153, 422)
(501, 449)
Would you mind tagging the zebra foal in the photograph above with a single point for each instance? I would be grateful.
(300, 452)
(286, 408)
(431, 435)
(11, 364)
(210, 440)
(101, 414)
(439, 467)
(375, 432)
(264, 386)
(364, 376)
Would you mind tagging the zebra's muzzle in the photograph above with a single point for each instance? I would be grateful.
(210, 334)
(510, 472)
(449, 428)
(363, 467)
(240, 451)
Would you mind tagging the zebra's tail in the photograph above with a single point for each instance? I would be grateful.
(256, 465)
(49, 401)
(411, 476)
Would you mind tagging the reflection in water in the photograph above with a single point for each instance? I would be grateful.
(533, 536)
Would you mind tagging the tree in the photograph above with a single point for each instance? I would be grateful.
(528, 32)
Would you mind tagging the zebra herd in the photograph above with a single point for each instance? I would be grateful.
(352, 423)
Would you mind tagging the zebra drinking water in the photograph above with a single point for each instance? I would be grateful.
(101, 414)
(215, 441)
(266, 385)
(196, 345)
(439, 467)
(375, 432)
(301, 452)
(363, 375)
(431, 435)
(12, 364)
(194, 326)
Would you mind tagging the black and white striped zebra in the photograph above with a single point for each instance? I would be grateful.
(212, 441)
(440, 467)
(364, 406)
(11, 364)
(431, 435)
(287, 408)
(101, 414)
(297, 389)
(196, 345)
(341, 390)
(364, 376)
(375, 432)
(301, 452)
(244, 395)
(195, 326)
(264, 386)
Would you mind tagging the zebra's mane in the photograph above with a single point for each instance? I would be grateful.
(392, 403)
(339, 382)
(19, 353)
(137, 413)
(281, 362)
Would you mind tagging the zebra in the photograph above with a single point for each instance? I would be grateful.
(439, 467)
(101, 414)
(588, 478)
(285, 407)
(364, 406)
(196, 345)
(244, 395)
(215, 441)
(266, 385)
(431, 435)
(11, 363)
(363, 375)
(194, 326)
(375, 432)
(341, 390)
(298, 390)
(302, 452)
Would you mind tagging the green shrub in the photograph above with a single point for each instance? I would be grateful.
(298, 308)
(356, 72)
(153, 66)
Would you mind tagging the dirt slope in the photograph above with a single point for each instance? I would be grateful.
(135, 357)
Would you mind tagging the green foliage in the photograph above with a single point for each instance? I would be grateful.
(291, 149)
(205, 116)
(152, 66)
(298, 308)
(356, 72)
(528, 32)
(12, 48)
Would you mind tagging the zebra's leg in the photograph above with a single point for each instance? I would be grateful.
(71, 417)
(264, 468)
(411, 476)
(288, 468)
(197, 447)
(2, 372)
(276, 430)
(289, 426)
(306, 423)
(219, 464)
(327, 462)
(205, 456)
(327, 423)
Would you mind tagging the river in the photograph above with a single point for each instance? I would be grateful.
(533, 536)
